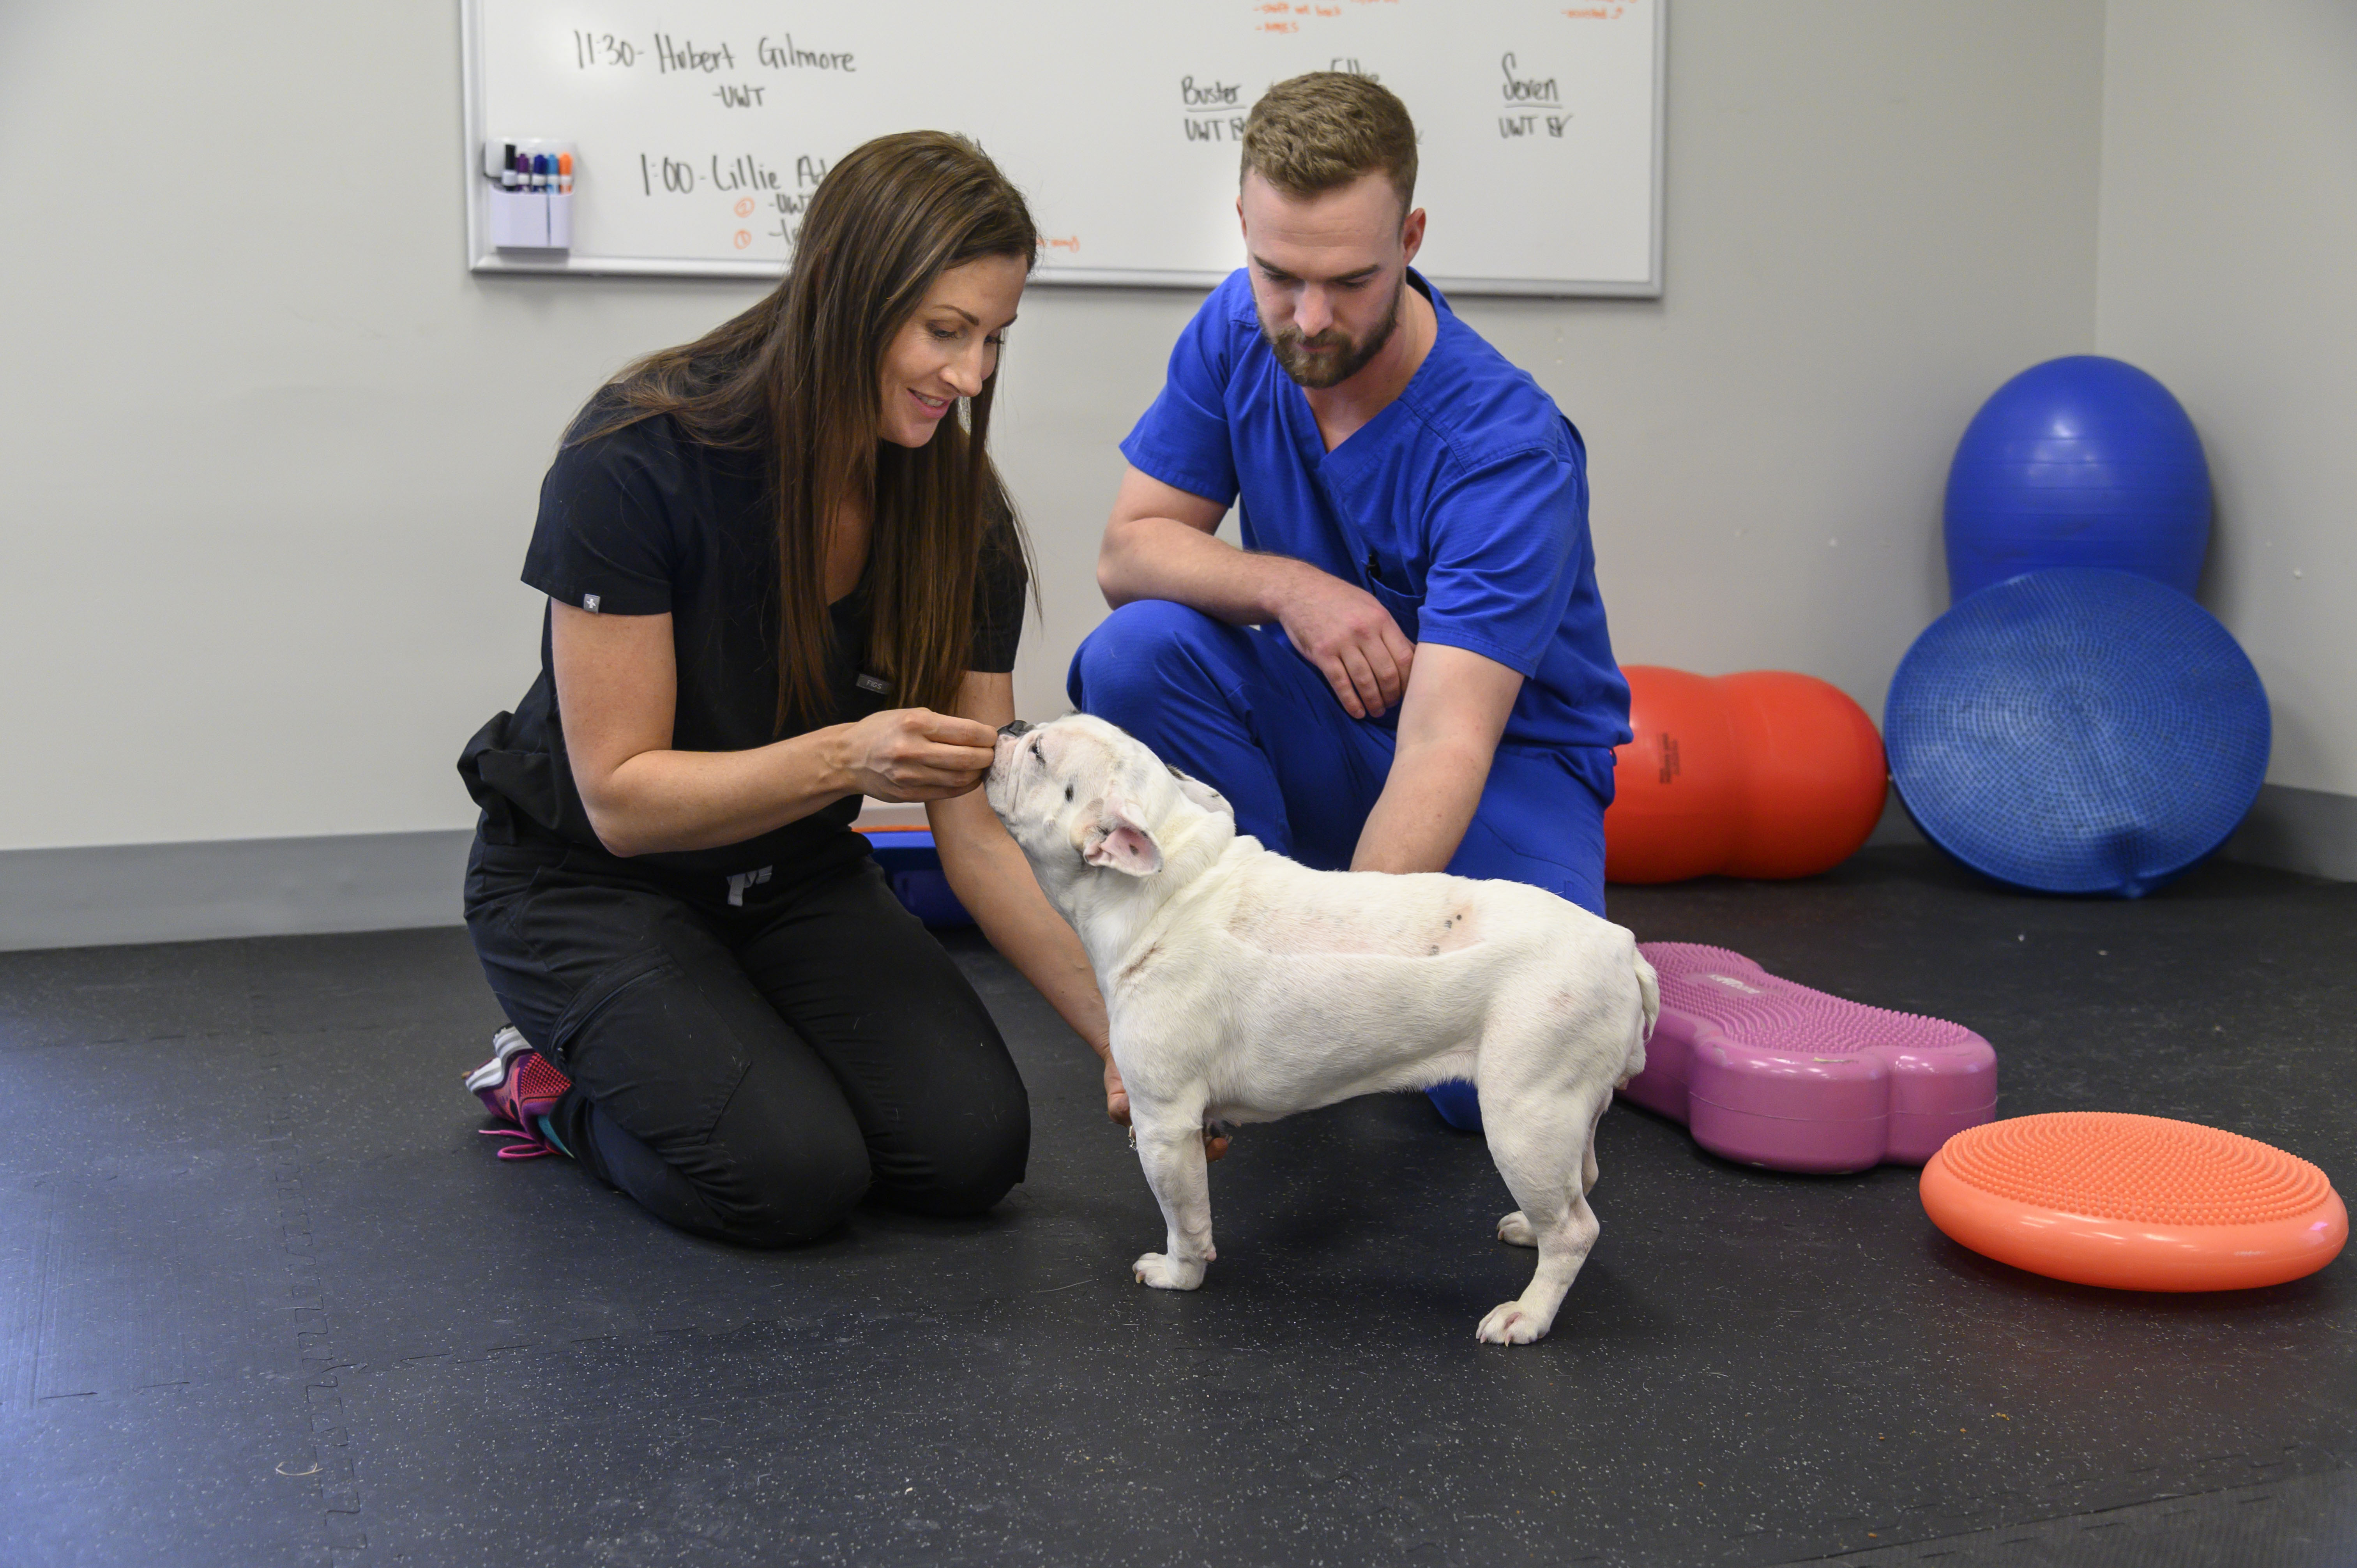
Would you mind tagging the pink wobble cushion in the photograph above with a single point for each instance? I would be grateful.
(1774, 1074)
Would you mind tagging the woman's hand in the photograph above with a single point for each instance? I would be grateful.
(1116, 1096)
(1215, 1143)
(916, 754)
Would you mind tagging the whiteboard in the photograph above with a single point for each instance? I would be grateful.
(702, 126)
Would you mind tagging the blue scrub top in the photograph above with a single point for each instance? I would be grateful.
(1462, 507)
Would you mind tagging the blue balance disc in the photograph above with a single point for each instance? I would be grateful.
(2077, 731)
(2084, 461)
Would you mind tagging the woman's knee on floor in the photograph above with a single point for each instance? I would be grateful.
(964, 1165)
(788, 1183)
(783, 1173)
(710, 1190)
(787, 1177)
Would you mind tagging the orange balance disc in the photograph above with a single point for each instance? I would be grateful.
(2134, 1202)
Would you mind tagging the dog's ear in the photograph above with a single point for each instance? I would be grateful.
(1117, 839)
(1203, 795)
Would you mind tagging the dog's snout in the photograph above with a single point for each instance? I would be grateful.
(1020, 727)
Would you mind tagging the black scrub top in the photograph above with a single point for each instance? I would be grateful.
(645, 521)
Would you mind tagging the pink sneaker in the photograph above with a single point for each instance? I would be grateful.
(518, 1086)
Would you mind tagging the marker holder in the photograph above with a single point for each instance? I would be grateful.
(524, 219)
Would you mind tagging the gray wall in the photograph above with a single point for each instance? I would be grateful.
(2229, 251)
(272, 452)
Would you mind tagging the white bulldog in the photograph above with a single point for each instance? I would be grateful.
(1243, 986)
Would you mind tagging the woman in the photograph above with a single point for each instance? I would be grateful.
(782, 574)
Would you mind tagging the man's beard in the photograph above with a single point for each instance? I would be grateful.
(1340, 358)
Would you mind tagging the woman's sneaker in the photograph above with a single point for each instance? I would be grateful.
(520, 1087)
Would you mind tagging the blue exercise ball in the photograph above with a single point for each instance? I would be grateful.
(2079, 730)
(2084, 461)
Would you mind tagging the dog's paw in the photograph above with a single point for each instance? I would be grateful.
(1516, 1231)
(1165, 1273)
(1510, 1324)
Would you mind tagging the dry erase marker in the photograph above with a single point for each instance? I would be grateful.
(546, 164)
(565, 174)
(524, 171)
(507, 169)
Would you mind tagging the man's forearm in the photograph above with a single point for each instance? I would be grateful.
(1426, 804)
(1449, 727)
(1162, 558)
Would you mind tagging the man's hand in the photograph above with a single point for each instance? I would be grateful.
(1345, 632)
(1161, 544)
(1215, 1145)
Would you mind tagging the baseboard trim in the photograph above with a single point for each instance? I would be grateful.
(107, 894)
(2309, 831)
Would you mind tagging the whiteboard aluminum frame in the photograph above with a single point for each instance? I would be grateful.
(484, 257)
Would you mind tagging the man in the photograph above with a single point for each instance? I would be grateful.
(1406, 668)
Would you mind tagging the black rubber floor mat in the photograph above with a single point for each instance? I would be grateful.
(264, 1296)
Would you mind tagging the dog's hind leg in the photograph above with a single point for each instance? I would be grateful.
(1588, 1152)
(1170, 1148)
(1515, 1229)
(1542, 1152)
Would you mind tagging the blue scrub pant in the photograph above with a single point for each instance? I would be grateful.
(1238, 708)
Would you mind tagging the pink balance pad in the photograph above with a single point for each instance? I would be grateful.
(1775, 1074)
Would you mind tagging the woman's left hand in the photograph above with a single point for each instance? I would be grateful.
(1215, 1143)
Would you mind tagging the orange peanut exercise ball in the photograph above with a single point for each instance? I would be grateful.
(1675, 785)
(1814, 778)
(1765, 774)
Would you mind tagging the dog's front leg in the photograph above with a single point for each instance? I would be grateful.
(1170, 1148)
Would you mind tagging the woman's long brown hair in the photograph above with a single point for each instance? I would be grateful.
(797, 378)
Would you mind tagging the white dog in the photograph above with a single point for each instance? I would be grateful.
(1242, 987)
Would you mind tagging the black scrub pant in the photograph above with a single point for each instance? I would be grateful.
(749, 1071)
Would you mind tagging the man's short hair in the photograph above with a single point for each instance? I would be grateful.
(1325, 129)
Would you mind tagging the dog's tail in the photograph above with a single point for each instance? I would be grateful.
(1649, 995)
